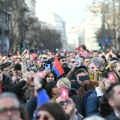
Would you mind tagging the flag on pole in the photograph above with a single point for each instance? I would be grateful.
(57, 67)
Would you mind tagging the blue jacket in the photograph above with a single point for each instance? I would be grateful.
(41, 98)
(91, 106)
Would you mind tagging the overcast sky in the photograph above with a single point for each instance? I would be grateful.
(72, 11)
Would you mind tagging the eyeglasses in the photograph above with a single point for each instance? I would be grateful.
(63, 103)
(12, 109)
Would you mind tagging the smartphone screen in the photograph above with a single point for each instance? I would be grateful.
(47, 66)
(111, 77)
(85, 77)
(64, 93)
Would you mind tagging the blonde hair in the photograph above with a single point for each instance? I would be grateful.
(64, 82)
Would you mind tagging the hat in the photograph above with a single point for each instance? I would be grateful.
(64, 82)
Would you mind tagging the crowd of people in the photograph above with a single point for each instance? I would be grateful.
(62, 85)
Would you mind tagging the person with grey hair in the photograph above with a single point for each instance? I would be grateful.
(9, 107)
(94, 117)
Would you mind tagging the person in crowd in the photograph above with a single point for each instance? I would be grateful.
(95, 53)
(72, 93)
(51, 111)
(72, 55)
(29, 87)
(111, 64)
(50, 77)
(84, 83)
(84, 52)
(6, 69)
(5, 81)
(80, 78)
(86, 62)
(113, 95)
(91, 105)
(101, 68)
(49, 82)
(9, 107)
(61, 83)
(17, 75)
(104, 108)
(69, 108)
(44, 57)
(29, 63)
(72, 63)
(64, 64)
(93, 69)
(117, 69)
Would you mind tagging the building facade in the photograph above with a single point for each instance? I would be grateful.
(57, 22)
(76, 36)
(85, 33)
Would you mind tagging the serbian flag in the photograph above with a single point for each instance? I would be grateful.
(57, 67)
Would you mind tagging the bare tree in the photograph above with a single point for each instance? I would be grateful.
(111, 19)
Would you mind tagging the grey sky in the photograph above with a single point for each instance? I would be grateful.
(72, 11)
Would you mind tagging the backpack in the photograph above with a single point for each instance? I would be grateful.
(84, 99)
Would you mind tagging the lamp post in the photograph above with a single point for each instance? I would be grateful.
(4, 20)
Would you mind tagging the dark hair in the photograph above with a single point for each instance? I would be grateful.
(83, 47)
(17, 66)
(84, 68)
(55, 77)
(109, 92)
(55, 110)
(95, 51)
(79, 71)
(49, 86)
(5, 65)
(103, 75)
(61, 57)
(104, 107)
(114, 59)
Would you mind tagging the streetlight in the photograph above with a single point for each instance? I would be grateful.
(4, 20)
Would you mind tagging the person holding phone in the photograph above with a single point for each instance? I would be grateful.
(84, 82)
(64, 88)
